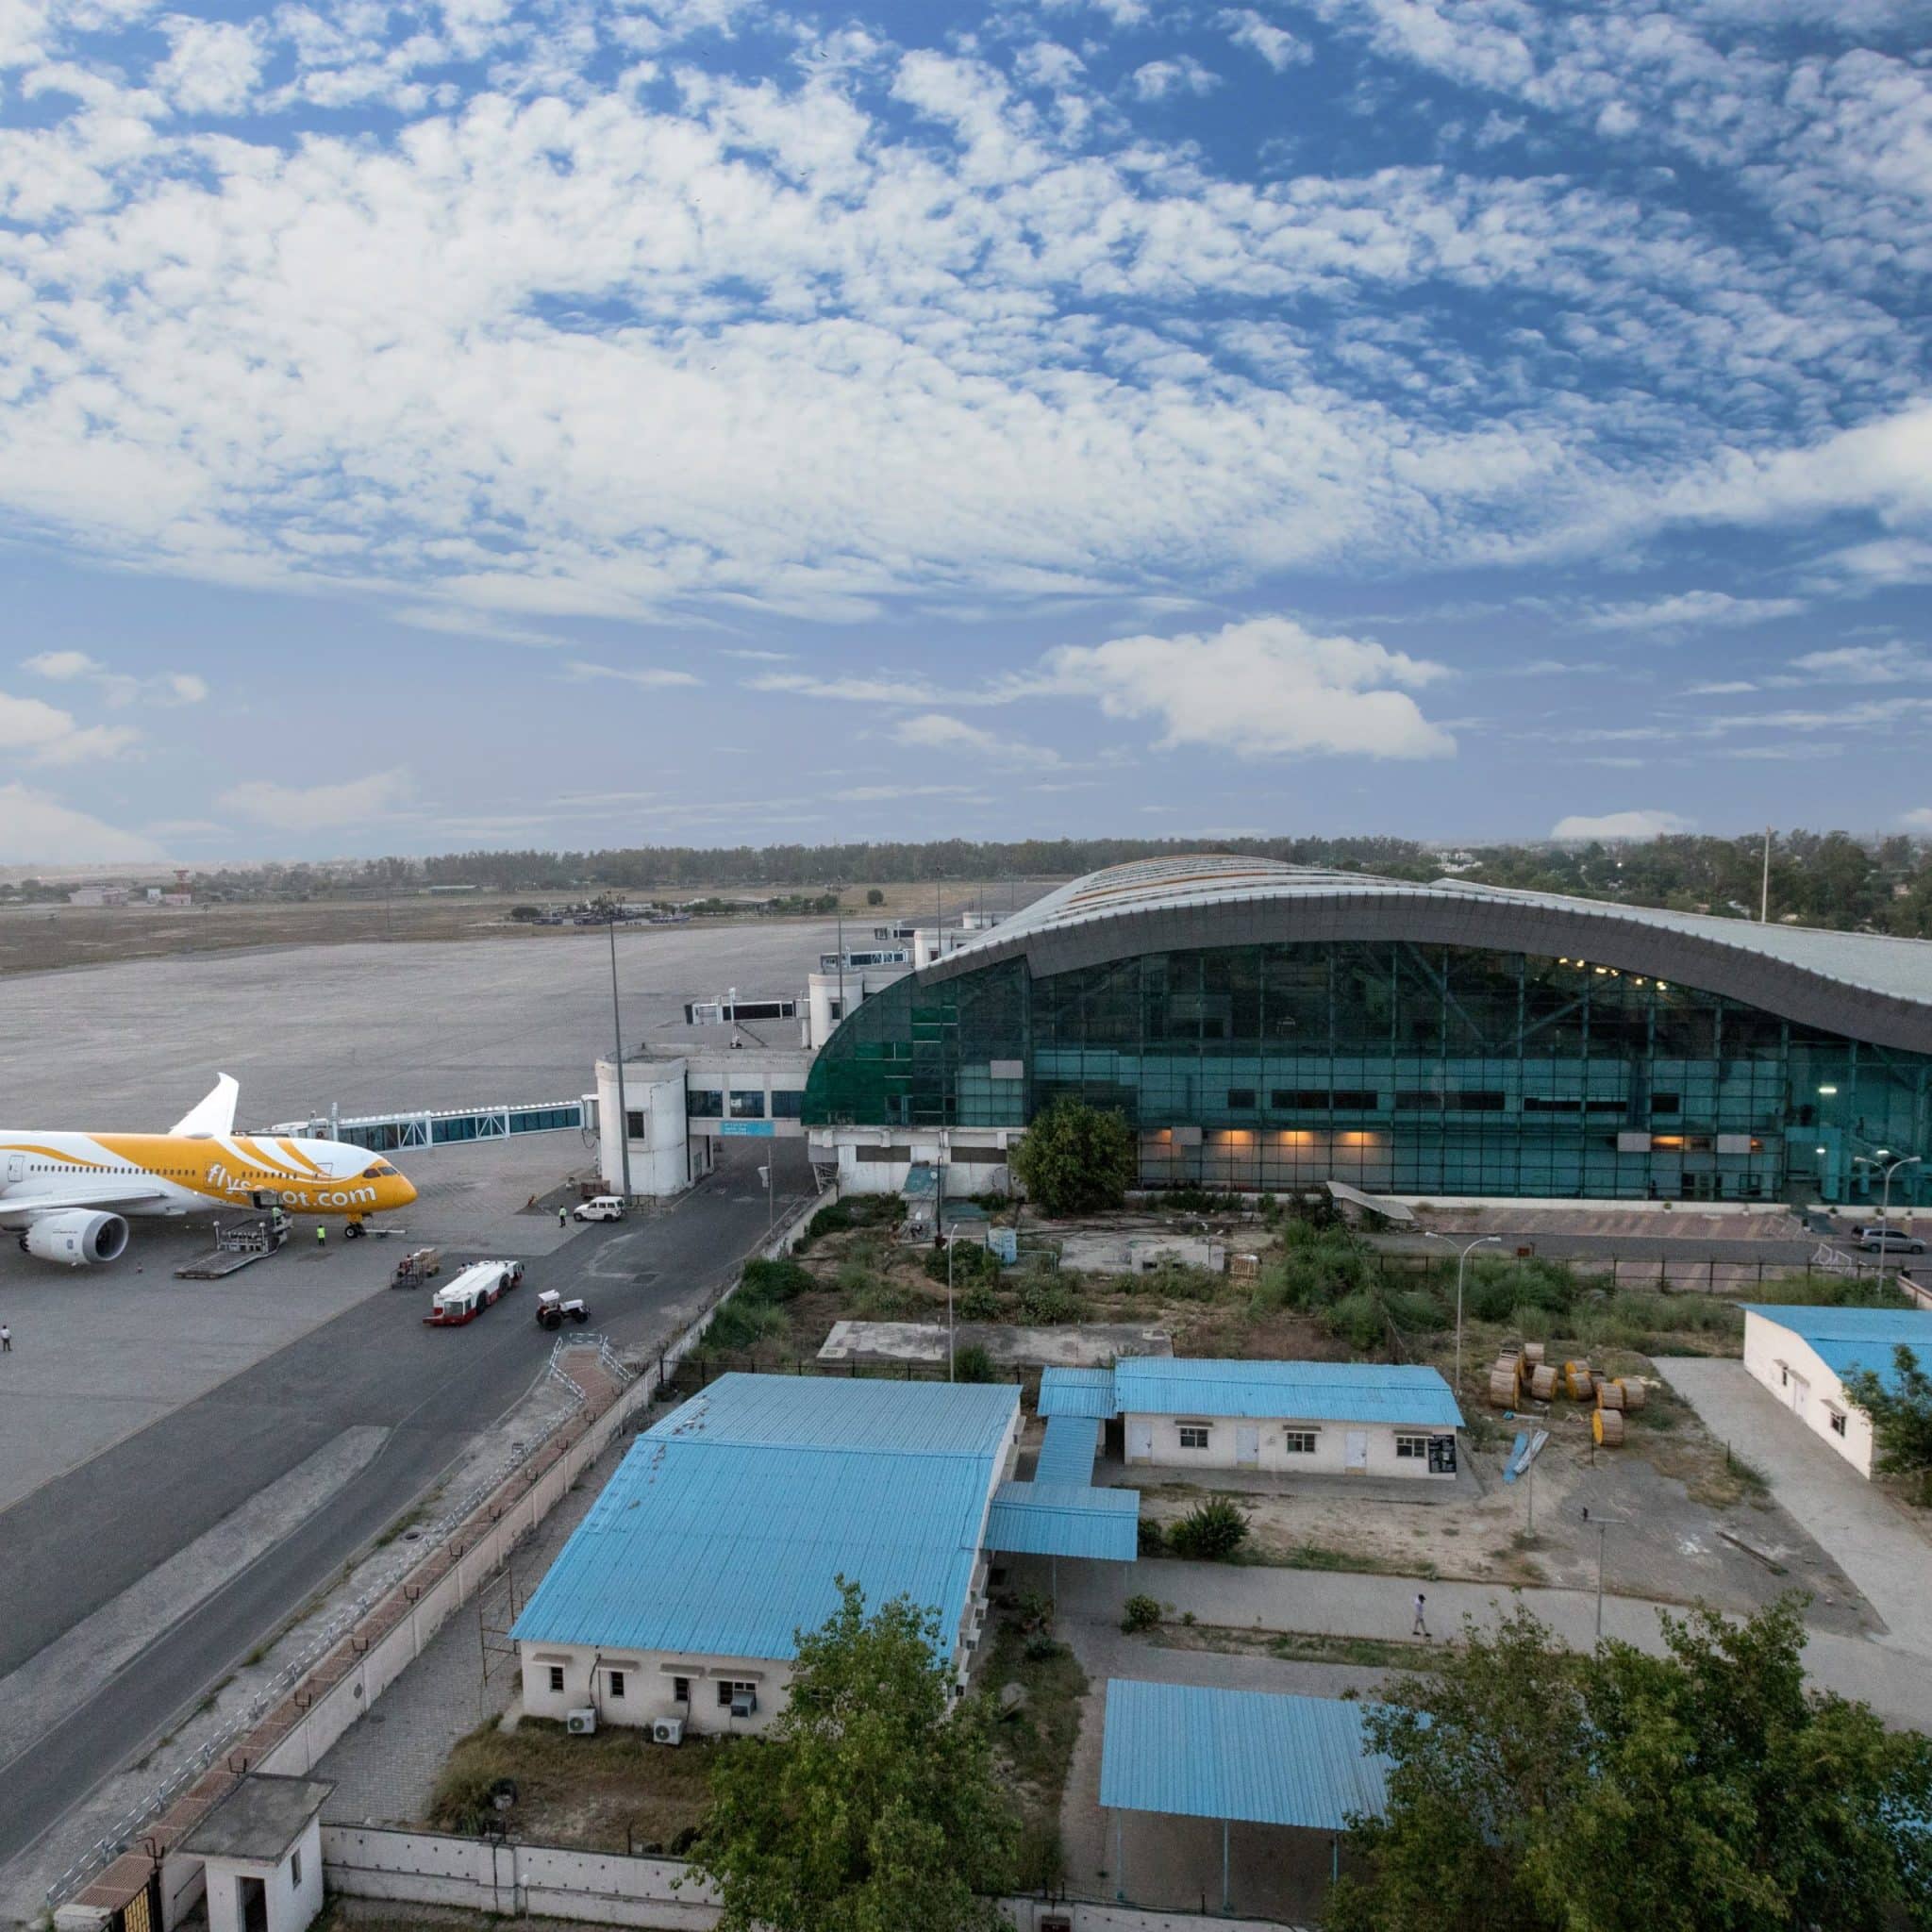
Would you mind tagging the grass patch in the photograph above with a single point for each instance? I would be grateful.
(605, 1793)
(1035, 1743)
(1297, 1646)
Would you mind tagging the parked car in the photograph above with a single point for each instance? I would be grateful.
(600, 1207)
(1889, 1241)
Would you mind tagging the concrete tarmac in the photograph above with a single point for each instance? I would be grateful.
(79, 1541)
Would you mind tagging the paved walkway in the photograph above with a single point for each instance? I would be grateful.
(1873, 1539)
(1896, 1683)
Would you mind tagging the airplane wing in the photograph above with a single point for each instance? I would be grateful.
(216, 1114)
(103, 1199)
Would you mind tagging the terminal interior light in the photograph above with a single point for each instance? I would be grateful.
(1818, 1150)
(1827, 1090)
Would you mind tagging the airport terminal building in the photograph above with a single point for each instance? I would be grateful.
(1267, 1026)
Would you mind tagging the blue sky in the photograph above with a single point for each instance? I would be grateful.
(472, 423)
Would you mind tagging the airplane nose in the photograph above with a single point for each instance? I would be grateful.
(407, 1191)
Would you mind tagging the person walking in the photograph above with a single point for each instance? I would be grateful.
(562, 1215)
(5, 1339)
(321, 1234)
(1421, 1626)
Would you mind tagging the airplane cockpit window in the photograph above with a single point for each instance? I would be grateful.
(380, 1172)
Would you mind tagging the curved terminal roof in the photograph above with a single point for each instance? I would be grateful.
(1867, 985)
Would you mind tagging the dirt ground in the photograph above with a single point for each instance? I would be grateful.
(41, 939)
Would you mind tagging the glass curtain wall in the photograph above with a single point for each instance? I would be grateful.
(1414, 1069)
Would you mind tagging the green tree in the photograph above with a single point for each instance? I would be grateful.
(870, 1804)
(1075, 1159)
(873, 896)
(1705, 1789)
(1901, 1417)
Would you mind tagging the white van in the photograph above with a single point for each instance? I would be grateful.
(600, 1207)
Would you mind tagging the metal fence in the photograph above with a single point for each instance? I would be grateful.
(1674, 1275)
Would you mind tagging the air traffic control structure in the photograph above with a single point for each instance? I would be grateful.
(1269, 1027)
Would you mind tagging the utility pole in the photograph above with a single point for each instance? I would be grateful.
(1764, 894)
(841, 973)
(617, 1026)
(1484, 1241)
(1888, 1169)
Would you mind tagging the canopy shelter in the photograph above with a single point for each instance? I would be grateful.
(1078, 1392)
(1344, 1194)
(1245, 1757)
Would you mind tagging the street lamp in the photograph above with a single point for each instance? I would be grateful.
(951, 1235)
(617, 1024)
(1888, 1169)
(1482, 1240)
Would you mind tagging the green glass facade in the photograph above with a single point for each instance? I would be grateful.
(1411, 1068)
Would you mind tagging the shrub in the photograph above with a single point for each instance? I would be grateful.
(979, 1303)
(774, 1281)
(1152, 1538)
(1033, 1611)
(1197, 1200)
(970, 1262)
(974, 1364)
(1357, 1319)
(743, 1324)
(1046, 1301)
(833, 1220)
(1039, 1864)
(1210, 1533)
(1142, 1613)
(1041, 1648)
(1415, 1310)
(873, 896)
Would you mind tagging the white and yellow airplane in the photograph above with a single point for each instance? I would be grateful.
(69, 1196)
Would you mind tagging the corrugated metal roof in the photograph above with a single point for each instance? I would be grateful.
(1251, 1755)
(724, 1528)
(1078, 1391)
(1065, 1520)
(1286, 1391)
(1066, 1453)
(1848, 1339)
(1900, 968)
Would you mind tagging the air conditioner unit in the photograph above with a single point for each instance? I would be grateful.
(744, 1703)
(667, 1730)
(580, 1724)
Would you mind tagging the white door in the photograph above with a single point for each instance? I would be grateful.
(1801, 1394)
(16, 1168)
(1247, 1446)
(1140, 1441)
(1355, 1456)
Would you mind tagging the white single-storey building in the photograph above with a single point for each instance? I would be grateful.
(724, 1531)
(1293, 1418)
(1804, 1355)
(261, 1850)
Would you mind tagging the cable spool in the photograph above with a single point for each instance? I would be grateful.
(1533, 1353)
(1578, 1380)
(1610, 1394)
(1607, 1426)
(1503, 1387)
(1636, 1393)
(1543, 1383)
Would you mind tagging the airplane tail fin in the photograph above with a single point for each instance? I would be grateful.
(214, 1115)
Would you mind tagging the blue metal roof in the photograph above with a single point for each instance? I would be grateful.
(724, 1528)
(1286, 1391)
(1065, 1520)
(1066, 1453)
(1253, 1756)
(1078, 1391)
(1848, 1339)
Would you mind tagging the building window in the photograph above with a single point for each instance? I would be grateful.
(1411, 1448)
(787, 1103)
(747, 1104)
(634, 1123)
(296, 1870)
(1837, 1422)
(730, 1688)
(680, 1689)
(556, 1680)
(1298, 1441)
(617, 1683)
(706, 1102)
(1240, 1099)
(1193, 1435)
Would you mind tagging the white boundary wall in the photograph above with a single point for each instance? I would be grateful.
(544, 1881)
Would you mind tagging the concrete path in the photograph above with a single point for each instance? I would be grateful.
(1871, 1539)
(1253, 1596)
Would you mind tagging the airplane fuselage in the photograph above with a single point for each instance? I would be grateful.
(179, 1175)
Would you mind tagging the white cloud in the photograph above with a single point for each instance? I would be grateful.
(36, 829)
(1182, 75)
(117, 688)
(650, 678)
(211, 67)
(1685, 609)
(45, 735)
(1889, 663)
(61, 666)
(1275, 45)
(318, 808)
(1632, 827)
(935, 731)
(1917, 820)
(1265, 687)
(871, 794)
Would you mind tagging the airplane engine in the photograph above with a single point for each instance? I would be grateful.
(78, 1238)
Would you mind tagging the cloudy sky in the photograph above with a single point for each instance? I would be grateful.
(435, 422)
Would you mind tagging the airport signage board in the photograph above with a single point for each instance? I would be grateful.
(749, 1131)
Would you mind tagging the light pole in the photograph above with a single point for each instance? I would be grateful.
(771, 1208)
(1888, 1170)
(1482, 1240)
(1603, 1533)
(617, 1026)
(951, 1237)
